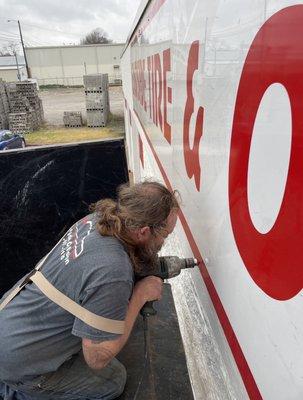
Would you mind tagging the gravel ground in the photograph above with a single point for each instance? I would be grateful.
(56, 101)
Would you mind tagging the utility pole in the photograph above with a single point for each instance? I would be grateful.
(25, 58)
(21, 38)
(18, 73)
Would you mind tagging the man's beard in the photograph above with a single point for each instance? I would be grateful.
(147, 259)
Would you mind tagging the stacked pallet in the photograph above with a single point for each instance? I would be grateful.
(72, 119)
(26, 111)
(97, 99)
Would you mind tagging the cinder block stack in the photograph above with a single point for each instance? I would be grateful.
(97, 99)
(72, 119)
(26, 111)
(17, 102)
(4, 106)
(29, 91)
(21, 122)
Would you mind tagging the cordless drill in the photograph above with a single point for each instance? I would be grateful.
(167, 267)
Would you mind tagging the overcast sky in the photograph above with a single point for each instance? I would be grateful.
(54, 22)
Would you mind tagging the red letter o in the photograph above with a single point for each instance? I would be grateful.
(275, 259)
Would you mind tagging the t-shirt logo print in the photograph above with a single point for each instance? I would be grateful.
(73, 242)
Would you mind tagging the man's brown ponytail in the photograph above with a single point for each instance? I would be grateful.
(139, 205)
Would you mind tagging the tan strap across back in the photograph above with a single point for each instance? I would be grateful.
(91, 319)
(17, 289)
(96, 321)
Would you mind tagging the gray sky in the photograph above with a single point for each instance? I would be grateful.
(54, 22)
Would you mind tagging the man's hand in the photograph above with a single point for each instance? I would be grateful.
(98, 354)
(149, 288)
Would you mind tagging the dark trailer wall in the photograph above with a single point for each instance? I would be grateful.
(43, 191)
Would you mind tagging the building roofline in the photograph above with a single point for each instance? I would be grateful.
(75, 45)
(10, 67)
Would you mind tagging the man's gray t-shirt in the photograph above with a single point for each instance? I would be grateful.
(36, 335)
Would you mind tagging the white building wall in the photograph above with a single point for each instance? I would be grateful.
(66, 65)
(10, 75)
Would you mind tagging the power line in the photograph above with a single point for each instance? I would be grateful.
(32, 38)
(50, 30)
(9, 37)
(8, 40)
(8, 33)
(36, 44)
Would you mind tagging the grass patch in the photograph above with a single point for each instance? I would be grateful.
(54, 135)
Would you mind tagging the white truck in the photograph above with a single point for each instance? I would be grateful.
(214, 108)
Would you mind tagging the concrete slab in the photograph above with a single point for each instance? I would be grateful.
(56, 101)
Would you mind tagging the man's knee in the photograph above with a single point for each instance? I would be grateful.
(112, 380)
(121, 376)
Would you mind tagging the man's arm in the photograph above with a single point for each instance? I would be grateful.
(99, 354)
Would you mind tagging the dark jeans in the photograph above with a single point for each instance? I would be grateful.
(74, 380)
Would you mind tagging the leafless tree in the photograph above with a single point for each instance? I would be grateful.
(10, 49)
(96, 36)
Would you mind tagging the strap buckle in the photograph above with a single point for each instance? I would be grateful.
(27, 278)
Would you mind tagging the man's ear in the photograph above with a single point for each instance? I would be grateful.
(144, 234)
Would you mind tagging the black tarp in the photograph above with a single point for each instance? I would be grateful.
(43, 191)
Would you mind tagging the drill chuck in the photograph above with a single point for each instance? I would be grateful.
(190, 262)
(171, 266)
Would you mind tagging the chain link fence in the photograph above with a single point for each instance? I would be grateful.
(74, 81)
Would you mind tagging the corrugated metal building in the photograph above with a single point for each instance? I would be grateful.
(9, 69)
(66, 65)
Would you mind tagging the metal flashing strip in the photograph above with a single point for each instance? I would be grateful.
(145, 18)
